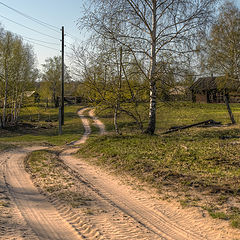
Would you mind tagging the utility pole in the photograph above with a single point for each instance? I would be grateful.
(61, 107)
(62, 88)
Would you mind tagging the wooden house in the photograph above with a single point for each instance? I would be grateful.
(215, 89)
(31, 97)
(179, 93)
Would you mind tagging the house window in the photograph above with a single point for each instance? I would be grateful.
(210, 97)
(220, 97)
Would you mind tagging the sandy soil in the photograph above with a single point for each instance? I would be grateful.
(124, 213)
(37, 215)
(117, 210)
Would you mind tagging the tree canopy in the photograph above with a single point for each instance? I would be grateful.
(51, 78)
(151, 31)
(17, 74)
(223, 43)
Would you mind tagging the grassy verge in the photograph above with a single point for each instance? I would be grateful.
(43, 130)
(49, 174)
(173, 114)
(198, 166)
(4, 146)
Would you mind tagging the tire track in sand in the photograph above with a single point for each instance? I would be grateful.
(40, 215)
(86, 125)
(12, 224)
(162, 220)
(112, 222)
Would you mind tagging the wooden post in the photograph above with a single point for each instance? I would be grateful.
(60, 121)
(62, 85)
(229, 108)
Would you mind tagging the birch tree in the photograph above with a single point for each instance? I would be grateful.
(17, 74)
(52, 75)
(152, 30)
(111, 80)
(52, 70)
(6, 55)
(223, 43)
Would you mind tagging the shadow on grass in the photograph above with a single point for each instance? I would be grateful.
(46, 131)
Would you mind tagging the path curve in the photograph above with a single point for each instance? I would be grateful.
(97, 122)
(40, 215)
(154, 219)
(118, 211)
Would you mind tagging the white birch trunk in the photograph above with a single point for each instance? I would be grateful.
(152, 80)
(5, 96)
(118, 96)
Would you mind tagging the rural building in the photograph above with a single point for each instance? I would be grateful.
(72, 99)
(214, 90)
(31, 96)
(179, 93)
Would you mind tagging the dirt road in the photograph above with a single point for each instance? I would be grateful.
(132, 214)
(43, 220)
(117, 211)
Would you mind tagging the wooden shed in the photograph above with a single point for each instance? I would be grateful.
(215, 89)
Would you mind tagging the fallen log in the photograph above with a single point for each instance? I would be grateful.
(205, 123)
(228, 137)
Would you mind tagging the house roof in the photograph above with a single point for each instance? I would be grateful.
(29, 93)
(177, 90)
(215, 83)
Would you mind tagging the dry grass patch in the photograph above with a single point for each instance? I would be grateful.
(50, 175)
(200, 166)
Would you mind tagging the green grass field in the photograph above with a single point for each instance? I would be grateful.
(5, 146)
(200, 166)
(42, 131)
(194, 163)
(174, 114)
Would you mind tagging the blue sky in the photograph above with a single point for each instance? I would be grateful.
(55, 12)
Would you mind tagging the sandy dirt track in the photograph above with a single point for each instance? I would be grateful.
(137, 210)
(118, 211)
(43, 219)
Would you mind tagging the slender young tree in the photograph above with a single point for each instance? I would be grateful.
(52, 75)
(110, 80)
(153, 31)
(223, 43)
(6, 76)
(222, 49)
(17, 74)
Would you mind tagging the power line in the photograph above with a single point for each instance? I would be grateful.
(29, 28)
(42, 45)
(51, 43)
(49, 26)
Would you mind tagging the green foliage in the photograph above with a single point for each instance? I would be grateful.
(205, 160)
(17, 75)
(44, 131)
(219, 215)
(51, 79)
(4, 146)
(106, 87)
(224, 42)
